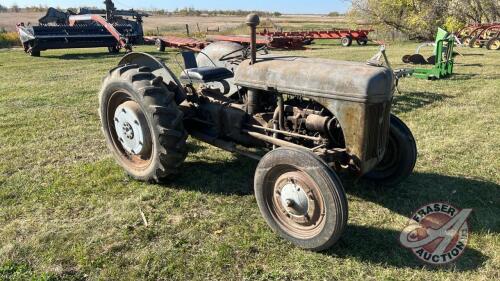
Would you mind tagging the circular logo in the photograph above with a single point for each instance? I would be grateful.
(437, 233)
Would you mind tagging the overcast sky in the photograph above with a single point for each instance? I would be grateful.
(284, 6)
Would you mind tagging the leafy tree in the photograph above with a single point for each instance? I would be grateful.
(420, 18)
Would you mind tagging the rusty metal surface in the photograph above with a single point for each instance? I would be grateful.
(358, 95)
(261, 40)
(299, 218)
(322, 78)
(178, 42)
(222, 54)
(158, 68)
(289, 42)
(321, 34)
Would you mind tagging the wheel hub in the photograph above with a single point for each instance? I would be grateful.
(131, 128)
(294, 199)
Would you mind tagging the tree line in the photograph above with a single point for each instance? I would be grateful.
(176, 12)
(419, 19)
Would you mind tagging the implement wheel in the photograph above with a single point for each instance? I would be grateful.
(142, 124)
(160, 45)
(362, 41)
(301, 198)
(34, 53)
(346, 41)
(475, 43)
(466, 41)
(114, 50)
(399, 158)
(493, 44)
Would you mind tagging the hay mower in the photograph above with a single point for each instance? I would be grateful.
(86, 29)
(304, 119)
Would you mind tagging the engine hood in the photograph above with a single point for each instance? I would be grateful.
(315, 77)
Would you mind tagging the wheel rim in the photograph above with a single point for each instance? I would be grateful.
(295, 201)
(129, 131)
(345, 41)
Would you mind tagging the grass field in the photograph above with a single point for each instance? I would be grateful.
(68, 212)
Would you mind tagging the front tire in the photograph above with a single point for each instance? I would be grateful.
(399, 158)
(301, 198)
(142, 124)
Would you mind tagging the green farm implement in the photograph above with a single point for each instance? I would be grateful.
(441, 60)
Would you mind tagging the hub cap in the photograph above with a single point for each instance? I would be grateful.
(294, 199)
(131, 128)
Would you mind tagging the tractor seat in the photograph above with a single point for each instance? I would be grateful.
(206, 74)
(203, 74)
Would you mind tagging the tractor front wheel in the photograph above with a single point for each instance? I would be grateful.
(301, 198)
(142, 124)
(399, 158)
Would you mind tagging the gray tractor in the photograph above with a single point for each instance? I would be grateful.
(304, 119)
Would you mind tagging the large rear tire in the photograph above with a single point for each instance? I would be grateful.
(301, 198)
(399, 158)
(142, 123)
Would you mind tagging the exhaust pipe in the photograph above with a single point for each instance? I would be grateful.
(253, 21)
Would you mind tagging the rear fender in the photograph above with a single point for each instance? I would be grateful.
(158, 68)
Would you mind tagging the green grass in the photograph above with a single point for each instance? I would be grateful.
(68, 212)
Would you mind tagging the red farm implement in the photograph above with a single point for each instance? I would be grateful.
(162, 42)
(347, 36)
(479, 35)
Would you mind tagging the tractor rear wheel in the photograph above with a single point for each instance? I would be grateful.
(301, 198)
(399, 158)
(142, 124)
(493, 44)
(346, 41)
